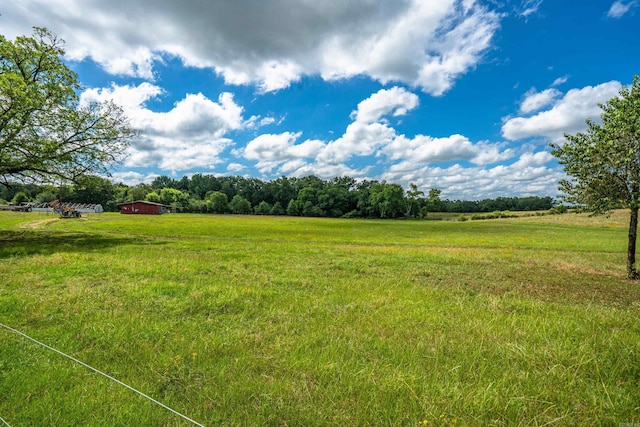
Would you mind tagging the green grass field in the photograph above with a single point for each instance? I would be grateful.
(248, 321)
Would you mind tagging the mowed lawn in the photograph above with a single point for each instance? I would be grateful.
(280, 321)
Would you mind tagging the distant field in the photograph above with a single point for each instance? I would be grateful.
(246, 320)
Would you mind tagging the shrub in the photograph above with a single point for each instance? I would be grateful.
(20, 197)
(263, 208)
(277, 209)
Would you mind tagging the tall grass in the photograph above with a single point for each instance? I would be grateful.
(243, 320)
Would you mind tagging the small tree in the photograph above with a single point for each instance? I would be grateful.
(240, 205)
(433, 203)
(92, 189)
(277, 209)
(45, 133)
(604, 164)
(20, 198)
(293, 208)
(152, 197)
(45, 197)
(413, 195)
(173, 197)
(219, 201)
(263, 208)
(196, 205)
(387, 200)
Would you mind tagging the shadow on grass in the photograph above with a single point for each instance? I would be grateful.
(27, 242)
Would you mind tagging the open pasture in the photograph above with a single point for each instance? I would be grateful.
(247, 320)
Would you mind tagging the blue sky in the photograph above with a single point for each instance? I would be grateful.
(464, 96)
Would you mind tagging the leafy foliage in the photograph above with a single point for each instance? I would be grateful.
(45, 132)
(240, 205)
(604, 162)
(219, 201)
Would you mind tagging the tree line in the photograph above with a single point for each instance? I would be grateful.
(308, 196)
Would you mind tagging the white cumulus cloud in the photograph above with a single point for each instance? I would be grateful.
(424, 43)
(190, 135)
(272, 150)
(235, 167)
(567, 115)
(422, 150)
(361, 139)
(528, 175)
(395, 101)
(534, 101)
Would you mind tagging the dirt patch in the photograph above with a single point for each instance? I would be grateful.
(574, 268)
(38, 224)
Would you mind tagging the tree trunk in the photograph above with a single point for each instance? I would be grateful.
(632, 273)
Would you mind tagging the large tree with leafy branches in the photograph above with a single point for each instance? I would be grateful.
(603, 163)
(46, 133)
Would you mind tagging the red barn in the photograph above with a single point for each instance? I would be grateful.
(144, 207)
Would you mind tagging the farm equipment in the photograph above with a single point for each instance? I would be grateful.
(64, 210)
(16, 208)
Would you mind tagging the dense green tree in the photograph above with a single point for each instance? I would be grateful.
(345, 182)
(433, 202)
(309, 209)
(251, 189)
(413, 200)
(294, 208)
(174, 197)
(227, 188)
(603, 163)
(19, 198)
(163, 181)
(333, 200)
(45, 197)
(277, 209)
(240, 205)
(311, 182)
(153, 197)
(281, 190)
(45, 133)
(121, 192)
(5, 193)
(92, 189)
(200, 185)
(532, 203)
(196, 205)
(387, 200)
(219, 201)
(183, 184)
(364, 207)
(9, 192)
(307, 195)
(263, 208)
